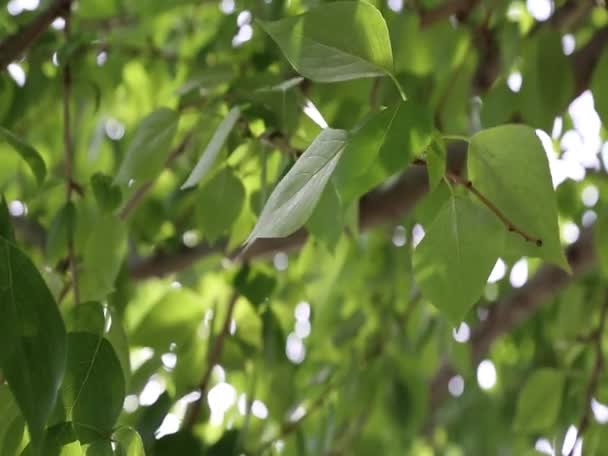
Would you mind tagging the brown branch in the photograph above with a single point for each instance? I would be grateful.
(447, 9)
(214, 358)
(517, 307)
(142, 191)
(69, 162)
(598, 366)
(13, 46)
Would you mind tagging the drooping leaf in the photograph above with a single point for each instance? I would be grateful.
(27, 153)
(32, 338)
(128, 442)
(107, 194)
(539, 401)
(62, 225)
(381, 147)
(211, 152)
(327, 220)
(11, 422)
(294, 199)
(456, 256)
(94, 386)
(149, 147)
(509, 167)
(335, 42)
(6, 227)
(219, 203)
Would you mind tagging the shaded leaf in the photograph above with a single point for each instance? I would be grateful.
(62, 226)
(436, 158)
(598, 87)
(539, 401)
(107, 194)
(6, 227)
(128, 442)
(255, 284)
(296, 196)
(32, 338)
(456, 256)
(27, 153)
(211, 152)
(327, 220)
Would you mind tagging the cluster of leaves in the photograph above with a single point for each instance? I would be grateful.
(156, 152)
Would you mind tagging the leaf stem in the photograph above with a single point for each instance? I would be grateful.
(398, 85)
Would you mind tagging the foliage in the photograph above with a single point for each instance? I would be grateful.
(266, 227)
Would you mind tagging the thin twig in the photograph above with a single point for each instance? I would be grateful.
(69, 161)
(456, 179)
(142, 191)
(214, 358)
(598, 366)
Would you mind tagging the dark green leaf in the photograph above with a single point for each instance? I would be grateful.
(32, 338)
(598, 87)
(27, 152)
(107, 194)
(6, 226)
(255, 284)
(62, 226)
(182, 442)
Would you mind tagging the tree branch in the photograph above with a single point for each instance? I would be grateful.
(13, 46)
(214, 358)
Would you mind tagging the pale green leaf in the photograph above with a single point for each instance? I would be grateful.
(294, 199)
(508, 165)
(128, 442)
(211, 152)
(335, 42)
(540, 401)
(456, 256)
(27, 153)
(32, 338)
(149, 148)
(94, 385)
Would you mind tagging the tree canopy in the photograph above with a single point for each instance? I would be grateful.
(259, 227)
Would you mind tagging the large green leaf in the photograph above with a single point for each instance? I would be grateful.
(509, 167)
(219, 203)
(456, 256)
(60, 440)
(11, 422)
(211, 152)
(94, 386)
(32, 338)
(598, 87)
(539, 401)
(149, 147)
(27, 152)
(381, 147)
(296, 196)
(128, 442)
(327, 220)
(335, 42)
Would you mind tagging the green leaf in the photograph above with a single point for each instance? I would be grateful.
(598, 87)
(100, 448)
(294, 199)
(436, 158)
(540, 401)
(102, 256)
(94, 318)
(211, 152)
(62, 226)
(497, 158)
(32, 338)
(600, 239)
(335, 42)
(11, 423)
(27, 153)
(273, 339)
(128, 442)
(6, 226)
(381, 147)
(173, 319)
(94, 386)
(60, 440)
(255, 284)
(219, 203)
(327, 220)
(456, 256)
(149, 147)
(107, 194)
(182, 442)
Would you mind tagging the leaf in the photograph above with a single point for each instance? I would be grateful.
(295, 197)
(32, 338)
(219, 203)
(128, 442)
(100, 448)
(107, 194)
(211, 152)
(11, 423)
(327, 220)
(27, 153)
(335, 42)
(182, 442)
(94, 385)
(6, 227)
(509, 167)
(62, 225)
(600, 240)
(94, 318)
(60, 440)
(381, 147)
(456, 256)
(539, 401)
(149, 147)
(103, 253)
(436, 158)
(254, 284)
(598, 87)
